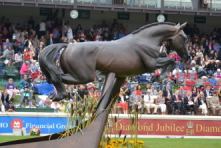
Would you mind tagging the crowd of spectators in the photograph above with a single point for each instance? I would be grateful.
(21, 44)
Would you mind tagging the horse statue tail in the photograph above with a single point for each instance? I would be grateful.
(47, 62)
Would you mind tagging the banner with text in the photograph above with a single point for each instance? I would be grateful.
(47, 125)
(167, 127)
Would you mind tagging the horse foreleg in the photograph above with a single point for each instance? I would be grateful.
(69, 79)
(167, 63)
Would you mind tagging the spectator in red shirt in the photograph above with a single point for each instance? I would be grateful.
(82, 36)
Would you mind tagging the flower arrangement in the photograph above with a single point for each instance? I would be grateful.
(35, 131)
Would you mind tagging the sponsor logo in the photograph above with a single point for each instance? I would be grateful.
(16, 124)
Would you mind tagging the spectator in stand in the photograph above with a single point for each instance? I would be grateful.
(218, 74)
(18, 59)
(11, 88)
(210, 67)
(16, 35)
(106, 36)
(82, 36)
(28, 42)
(153, 91)
(216, 47)
(28, 53)
(189, 103)
(26, 90)
(82, 92)
(127, 89)
(97, 36)
(42, 39)
(25, 68)
(194, 91)
(180, 65)
(148, 86)
(7, 43)
(90, 36)
(201, 103)
(123, 101)
(62, 107)
(21, 44)
(10, 108)
(160, 102)
(51, 40)
(207, 92)
(201, 72)
(182, 92)
(11, 56)
(214, 103)
(135, 100)
(37, 81)
(34, 70)
(2, 107)
(212, 80)
(163, 50)
(149, 102)
(121, 34)
(176, 102)
(42, 28)
(55, 33)
(114, 36)
(167, 94)
(139, 91)
(5, 99)
(69, 33)
(56, 107)
(78, 29)
(5, 53)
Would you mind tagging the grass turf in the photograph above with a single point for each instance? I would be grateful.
(154, 142)
(12, 138)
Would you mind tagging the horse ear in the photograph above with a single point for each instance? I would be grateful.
(178, 25)
(182, 26)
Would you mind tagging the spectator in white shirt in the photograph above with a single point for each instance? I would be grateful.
(69, 33)
(42, 29)
(149, 102)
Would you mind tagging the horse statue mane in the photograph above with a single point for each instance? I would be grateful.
(151, 25)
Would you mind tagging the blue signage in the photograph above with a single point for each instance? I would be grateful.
(47, 125)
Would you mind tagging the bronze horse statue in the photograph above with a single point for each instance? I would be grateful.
(135, 54)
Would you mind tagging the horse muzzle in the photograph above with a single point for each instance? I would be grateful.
(185, 58)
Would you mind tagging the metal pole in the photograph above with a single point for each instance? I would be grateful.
(63, 21)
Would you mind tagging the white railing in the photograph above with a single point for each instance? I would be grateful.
(216, 4)
(178, 4)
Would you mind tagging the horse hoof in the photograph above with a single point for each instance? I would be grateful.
(56, 98)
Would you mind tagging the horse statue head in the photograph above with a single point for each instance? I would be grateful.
(178, 42)
(152, 36)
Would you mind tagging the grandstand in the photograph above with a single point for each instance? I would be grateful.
(26, 26)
